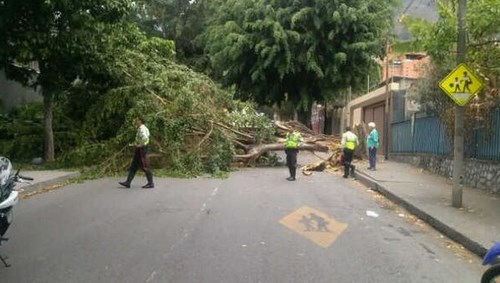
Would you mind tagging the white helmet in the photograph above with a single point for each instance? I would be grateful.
(371, 125)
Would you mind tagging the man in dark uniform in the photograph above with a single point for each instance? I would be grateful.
(141, 147)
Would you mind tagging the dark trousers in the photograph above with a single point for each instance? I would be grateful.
(348, 154)
(291, 160)
(372, 152)
(140, 161)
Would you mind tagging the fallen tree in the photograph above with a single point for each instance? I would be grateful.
(311, 142)
(257, 151)
(195, 126)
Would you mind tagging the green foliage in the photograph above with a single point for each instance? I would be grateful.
(22, 132)
(60, 35)
(406, 47)
(244, 117)
(103, 72)
(178, 20)
(305, 49)
(220, 155)
(54, 43)
(428, 94)
(187, 115)
(483, 21)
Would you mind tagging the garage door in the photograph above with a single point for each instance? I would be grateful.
(376, 113)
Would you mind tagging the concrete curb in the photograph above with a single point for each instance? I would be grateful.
(446, 230)
(48, 183)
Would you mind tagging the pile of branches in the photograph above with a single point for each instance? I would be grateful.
(310, 142)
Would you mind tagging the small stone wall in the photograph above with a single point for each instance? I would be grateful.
(477, 173)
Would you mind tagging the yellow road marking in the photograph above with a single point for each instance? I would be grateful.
(314, 225)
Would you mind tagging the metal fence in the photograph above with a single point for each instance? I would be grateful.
(486, 143)
(428, 135)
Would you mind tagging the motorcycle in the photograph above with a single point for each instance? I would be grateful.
(492, 274)
(8, 198)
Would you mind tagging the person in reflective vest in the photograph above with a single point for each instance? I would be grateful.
(291, 149)
(141, 145)
(349, 143)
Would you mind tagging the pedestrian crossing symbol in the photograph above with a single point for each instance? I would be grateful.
(314, 225)
(461, 84)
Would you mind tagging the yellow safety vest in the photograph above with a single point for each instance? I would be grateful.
(292, 141)
(350, 143)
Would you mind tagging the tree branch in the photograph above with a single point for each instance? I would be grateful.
(257, 151)
(493, 41)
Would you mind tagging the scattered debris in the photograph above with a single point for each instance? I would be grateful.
(371, 213)
(311, 142)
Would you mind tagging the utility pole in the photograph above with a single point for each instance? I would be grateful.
(387, 101)
(368, 84)
(458, 151)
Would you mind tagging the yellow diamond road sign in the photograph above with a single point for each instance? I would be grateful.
(461, 84)
(314, 225)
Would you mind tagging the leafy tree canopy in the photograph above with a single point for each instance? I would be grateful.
(51, 43)
(177, 20)
(273, 50)
(58, 35)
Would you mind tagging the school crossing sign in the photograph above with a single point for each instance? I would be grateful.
(461, 84)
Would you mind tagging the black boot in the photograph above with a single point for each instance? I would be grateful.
(347, 165)
(352, 171)
(290, 171)
(149, 177)
(130, 177)
(125, 184)
(293, 170)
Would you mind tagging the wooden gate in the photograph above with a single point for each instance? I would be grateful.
(375, 113)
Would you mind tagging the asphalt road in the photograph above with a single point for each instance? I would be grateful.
(252, 227)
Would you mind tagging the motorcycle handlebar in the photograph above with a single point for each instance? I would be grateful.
(26, 178)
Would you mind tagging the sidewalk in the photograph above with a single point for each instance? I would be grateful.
(44, 179)
(476, 226)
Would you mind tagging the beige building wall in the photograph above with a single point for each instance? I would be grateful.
(356, 117)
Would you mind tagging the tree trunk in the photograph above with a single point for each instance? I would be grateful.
(257, 151)
(304, 117)
(48, 133)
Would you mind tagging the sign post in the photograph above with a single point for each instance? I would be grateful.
(461, 85)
